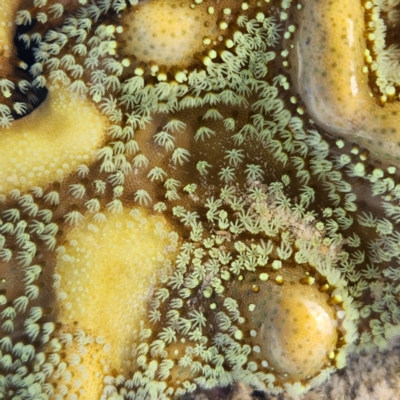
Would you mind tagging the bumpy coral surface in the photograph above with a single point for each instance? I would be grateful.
(172, 219)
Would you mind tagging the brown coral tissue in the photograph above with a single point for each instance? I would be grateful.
(199, 199)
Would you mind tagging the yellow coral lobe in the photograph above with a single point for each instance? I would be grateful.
(50, 143)
(300, 329)
(328, 71)
(170, 32)
(86, 359)
(165, 32)
(108, 272)
(8, 13)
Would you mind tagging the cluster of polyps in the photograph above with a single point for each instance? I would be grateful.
(201, 220)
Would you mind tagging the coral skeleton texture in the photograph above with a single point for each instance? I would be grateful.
(199, 199)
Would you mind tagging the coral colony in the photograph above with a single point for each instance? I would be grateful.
(209, 194)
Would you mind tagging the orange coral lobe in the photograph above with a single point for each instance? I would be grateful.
(330, 73)
(300, 330)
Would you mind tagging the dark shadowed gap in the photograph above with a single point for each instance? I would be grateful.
(27, 56)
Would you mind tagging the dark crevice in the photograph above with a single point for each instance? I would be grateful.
(27, 56)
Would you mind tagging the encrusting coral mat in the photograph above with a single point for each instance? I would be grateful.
(196, 195)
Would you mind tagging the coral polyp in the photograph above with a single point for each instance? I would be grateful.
(175, 221)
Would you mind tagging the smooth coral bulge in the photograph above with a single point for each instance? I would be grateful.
(172, 219)
(346, 74)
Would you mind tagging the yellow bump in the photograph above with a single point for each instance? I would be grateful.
(51, 142)
(162, 77)
(263, 276)
(276, 264)
(340, 143)
(324, 288)
(212, 54)
(229, 43)
(108, 273)
(260, 17)
(126, 62)
(238, 335)
(8, 11)
(378, 173)
(308, 281)
(139, 71)
(355, 150)
(336, 299)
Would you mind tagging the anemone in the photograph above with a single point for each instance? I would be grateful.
(213, 233)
